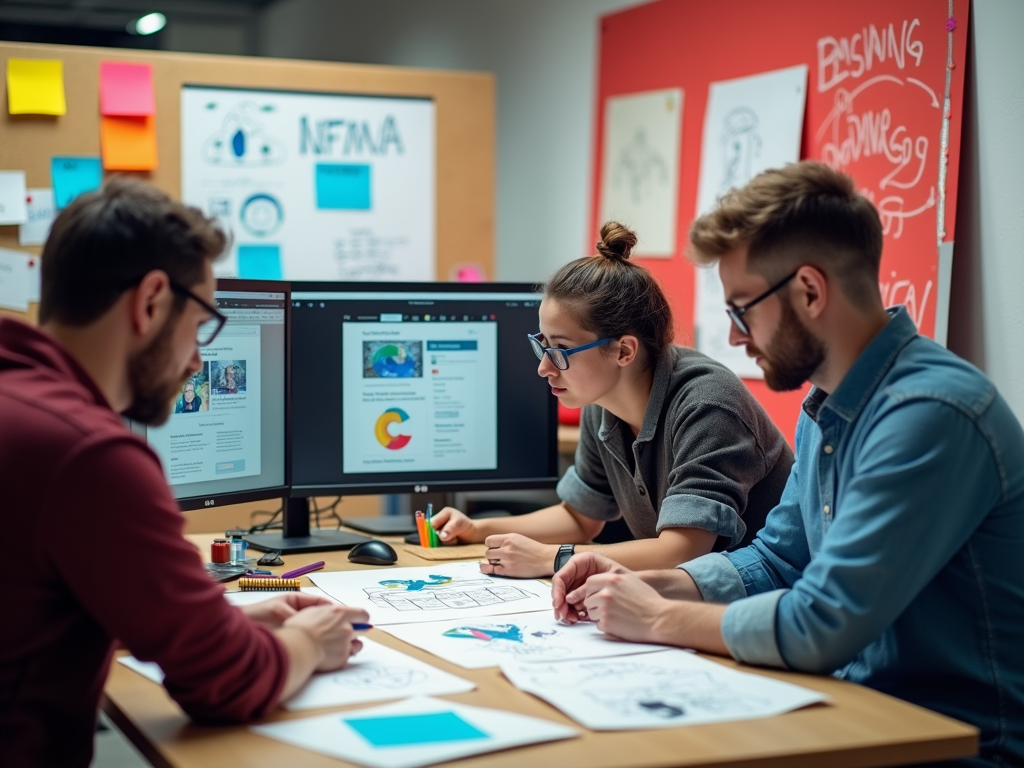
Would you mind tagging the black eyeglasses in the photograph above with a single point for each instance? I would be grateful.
(736, 313)
(208, 331)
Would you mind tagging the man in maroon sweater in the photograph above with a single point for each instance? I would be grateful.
(93, 551)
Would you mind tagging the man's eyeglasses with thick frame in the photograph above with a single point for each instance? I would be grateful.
(560, 357)
(736, 313)
(208, 331)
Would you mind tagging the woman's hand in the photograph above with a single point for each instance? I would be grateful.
(275, 611)
(453, 527)
(516, 556)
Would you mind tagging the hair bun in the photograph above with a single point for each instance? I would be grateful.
(617, 241)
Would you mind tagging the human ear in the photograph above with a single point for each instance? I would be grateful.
(810, 292)
(150, 302)
(629, 348)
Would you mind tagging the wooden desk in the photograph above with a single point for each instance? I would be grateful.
(860, 727)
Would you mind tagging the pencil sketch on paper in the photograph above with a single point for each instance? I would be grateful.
(513, 640)
(439, 592)
(380, 677)
(655, 691)
(640, 168)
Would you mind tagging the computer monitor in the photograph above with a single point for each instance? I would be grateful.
(225, 441)
(417, 388)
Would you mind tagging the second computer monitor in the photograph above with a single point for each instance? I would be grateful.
(404, 388)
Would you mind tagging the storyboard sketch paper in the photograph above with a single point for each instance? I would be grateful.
(414, 732)
(751, 124)
(655, 690)
(640, 166)
(436, 593)
(376, 673)
(333, 187)
(525, 637)
(40, 212)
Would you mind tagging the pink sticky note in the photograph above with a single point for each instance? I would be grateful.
(126, 90)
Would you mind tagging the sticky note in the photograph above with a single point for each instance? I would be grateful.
(126, 90)
(41, 213)
(13, 280)
(406, 730)
(128, 143)
(71, 176)
(35, 87)
(343, 187)
(12, 197)
(259, 262)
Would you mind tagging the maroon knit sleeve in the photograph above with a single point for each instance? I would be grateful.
(117, 542)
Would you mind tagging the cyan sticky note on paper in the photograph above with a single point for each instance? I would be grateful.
(409, 730)
(126, 90)
(259, 262)
(343, 186)
(74, 175)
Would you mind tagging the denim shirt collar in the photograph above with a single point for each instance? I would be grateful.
(867, 372)
(659, 389)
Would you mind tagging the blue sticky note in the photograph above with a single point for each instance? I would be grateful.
(409, 730)
(74, 175)
(343, 187)
(259, 262)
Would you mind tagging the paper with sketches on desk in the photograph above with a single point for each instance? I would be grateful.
(435, 593)
(414, 732)
(656, 690)
(376, 673)
(525, 637)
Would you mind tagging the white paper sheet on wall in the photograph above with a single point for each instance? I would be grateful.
(14, 280)
(751, 124)
(640, 167)
(40, 212)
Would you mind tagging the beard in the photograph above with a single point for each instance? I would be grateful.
(793, 354)
(154, 387)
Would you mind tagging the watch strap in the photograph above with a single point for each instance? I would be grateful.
(565, 551)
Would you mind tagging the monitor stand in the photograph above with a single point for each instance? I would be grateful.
(298, 537)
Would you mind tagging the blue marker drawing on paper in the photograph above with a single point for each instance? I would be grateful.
(487, 632)
(416, 585)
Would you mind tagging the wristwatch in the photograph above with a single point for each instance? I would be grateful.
(564, 553)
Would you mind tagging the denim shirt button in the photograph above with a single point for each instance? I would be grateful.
(827, 509)
(828, 449)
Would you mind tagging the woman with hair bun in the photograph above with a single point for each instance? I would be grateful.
(670, 440)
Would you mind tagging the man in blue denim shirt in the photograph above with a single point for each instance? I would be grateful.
(894, 558)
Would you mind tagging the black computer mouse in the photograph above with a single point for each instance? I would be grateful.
(373, 552)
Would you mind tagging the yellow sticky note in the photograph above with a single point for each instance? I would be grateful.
(128, 143)
(35, 87)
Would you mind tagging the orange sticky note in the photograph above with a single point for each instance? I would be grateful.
(35, 87)
(126, 90)
(128, 143)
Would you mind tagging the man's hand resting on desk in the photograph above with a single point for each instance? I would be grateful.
(518, 556)
(275, 611)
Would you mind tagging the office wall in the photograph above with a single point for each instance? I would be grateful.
(543, 53)
(987, 300)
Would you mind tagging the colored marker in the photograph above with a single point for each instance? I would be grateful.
(360, 626)
(303, 570)
(435, 541)
(421, 529)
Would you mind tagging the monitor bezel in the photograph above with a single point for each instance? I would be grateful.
(308, 490)
(213, 501)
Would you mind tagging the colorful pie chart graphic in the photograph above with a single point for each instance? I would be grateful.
(394, 361)
(383, 429)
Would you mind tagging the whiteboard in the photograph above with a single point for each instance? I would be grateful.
(314, 186)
